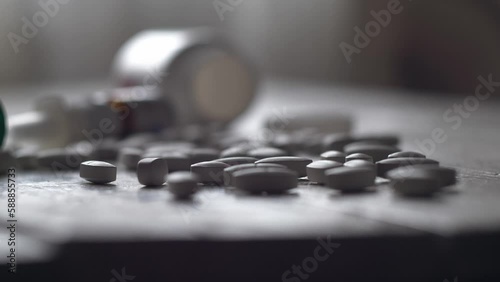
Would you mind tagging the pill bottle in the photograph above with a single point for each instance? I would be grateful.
(164, 78)
(195, 69)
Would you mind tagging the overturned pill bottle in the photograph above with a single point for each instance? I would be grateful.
(164, 79)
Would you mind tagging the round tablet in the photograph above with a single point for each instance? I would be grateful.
(335, 156)
(266, 152)
(316, 170)
(182, 184)
(129, 157)
(359, 156)
(98, 172)
(297, 164)
(350, 178)
(376, 151)
(445, 176)
(152, 171)
(405, 154)
(236, 160)
(264, 179)
(210, 172)
(361, 163)
(384, 166)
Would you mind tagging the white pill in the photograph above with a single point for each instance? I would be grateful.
(405, 154)
(210, 172)
(182, 184)
(445, 176)
(236, 160)
(152, 171)
(199, 155)
(59, 159)
(266, 152)
(386, 165)
(316, 170)
(98, 172)
(335, 156)
(297, 164)
(350, 179)
(177, 161)
(229, 171)
(359, 156)
(376, 151)
(129, 157)
(264, 179)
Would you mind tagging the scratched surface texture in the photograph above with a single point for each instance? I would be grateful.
(67, 225)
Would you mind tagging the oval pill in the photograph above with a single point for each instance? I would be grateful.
(182, 184)
(350, 178)
(359, 156)
(376, 151)
(415, 185)
(386, 165)
(297, 164)
(335, 156)
(361, 163)
(229, 171)
(445, 176)
(316, 170)
(264, 179)
(152, 171)
(405, 154)
(98, 172)
(210, 172)
(236, 160)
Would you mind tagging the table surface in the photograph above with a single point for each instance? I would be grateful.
(60, 208)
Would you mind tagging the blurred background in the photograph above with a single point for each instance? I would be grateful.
(431, 45)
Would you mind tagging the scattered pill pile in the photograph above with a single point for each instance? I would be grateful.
(347, 163)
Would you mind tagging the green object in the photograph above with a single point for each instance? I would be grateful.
(3, 126)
